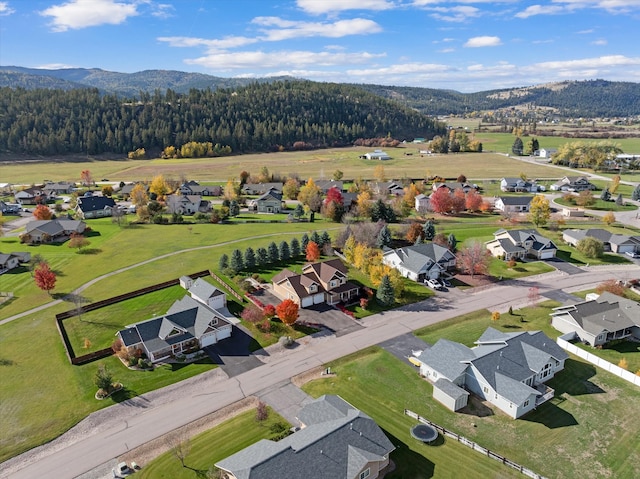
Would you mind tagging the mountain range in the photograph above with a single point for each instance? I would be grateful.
(591, 98)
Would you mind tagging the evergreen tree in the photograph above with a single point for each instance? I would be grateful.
(384, 237)
(325, 238)
(234, 208)
(517, 147)
(273, 254)
(385, 294)
(452, 243)
(304, 241)
(635, 196)
(298, 212)
(284, 251)
(237, 263)
(605, 195)
(315, 237)
(249, 259)
(295, 248)
(429, 230)
(619, 201)
(223, 263)
(262, 257)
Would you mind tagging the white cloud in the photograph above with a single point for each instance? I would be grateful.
(77, 14)
(569, 6)
(162, 10)
(447, 50)
(257, 60)
(483, 41)
(211, 45)
(458, 13)
(599, 63)
(599, 42)
(540, 10)
(317, 7)
(286, 29)
(54, 66)
(5, 9)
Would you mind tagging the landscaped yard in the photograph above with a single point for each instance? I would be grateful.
(212, 446)
(590, 430)
(629, 350)
(600, 205)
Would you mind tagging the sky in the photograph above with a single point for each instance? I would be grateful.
(464, 45)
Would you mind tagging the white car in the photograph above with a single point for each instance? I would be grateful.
(433, 283)
(632, 254)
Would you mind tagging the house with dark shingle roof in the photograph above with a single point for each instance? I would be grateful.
(612, 242)
(189, 324)
(194, 188)
(421, 261)
(187, 204)
(598, 321)
(10, 261)
(518, 244)
(323, 282)
(94, 207)
(509, 370)
(32, 196)
(513, 204)
(336, 441)
(61, 187)
(573, 183)
(518, 185)
(53, 231)
(261, 188)
(269, 202)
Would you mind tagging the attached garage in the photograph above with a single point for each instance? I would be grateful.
(306, 302)
(209, 339)
(548, 254)
(224, 332)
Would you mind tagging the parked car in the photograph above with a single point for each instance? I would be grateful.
(633, 254)
(122, 469)
(433, 283)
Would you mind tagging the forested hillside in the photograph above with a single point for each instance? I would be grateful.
(258, 117)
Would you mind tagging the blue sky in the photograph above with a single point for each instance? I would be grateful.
(466, 45)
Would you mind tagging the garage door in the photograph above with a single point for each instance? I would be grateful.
(209, 340)
(224, 333)
(318, 298)
(546, 255)
(306, 302)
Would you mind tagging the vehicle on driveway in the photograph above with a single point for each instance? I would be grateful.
(434, 284)
(633, 254)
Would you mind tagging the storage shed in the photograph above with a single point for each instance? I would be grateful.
(452, 396)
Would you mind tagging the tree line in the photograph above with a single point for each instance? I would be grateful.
(255, 118)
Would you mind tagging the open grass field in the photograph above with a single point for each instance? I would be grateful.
(600, 205)
(316, 164)
(212, 446)
(590, 430)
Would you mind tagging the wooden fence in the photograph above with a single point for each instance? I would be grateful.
(229, 289)
(476, 447)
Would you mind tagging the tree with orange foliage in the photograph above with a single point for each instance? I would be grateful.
(42, 212)
(458, 201)
(45, 278)
(86, 178)
(441, 201)
(473, 201)
(414, 232)
(312, 251)
(474, 259)
(611, 286)
(287, 312)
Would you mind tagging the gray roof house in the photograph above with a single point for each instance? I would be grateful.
(421, 261)
(31, 196)
(573, 183)
(94, 207)
(336, 441)
(9, 261)
(326, 185)
(518, 244)
(193, 188)
(52, 231)
(269, 202)
(513, 204)
(612, 242)
(261, 188)
(187, 204)
(189, 324)
(518, 185)
(506, 369)
(599, 321)
(61, 187)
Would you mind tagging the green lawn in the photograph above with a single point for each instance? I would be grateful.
(628, 350)
(500, 269)
(600, 205)
(212, 446)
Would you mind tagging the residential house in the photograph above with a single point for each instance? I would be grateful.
(326, 185)
(513, 204)
(547, 152)
(94, 207)
(336, 441)
(387, 188)
(31, 196)
(193, 188)
(599, 321)
(323, 282)
(9, 261)
(377, 155)
(573, 183)
(208, 294)
(269, 202)
(421, 261)
(452, 186)
(58, 188)
(261, 188)
(349, 200)
(518, 185)
(506, 369)
(52, 231)
(187, 204)
(125, 191)
(189, 324)
(423, 203)
(9, 208)
(518, 244)
(617, 243)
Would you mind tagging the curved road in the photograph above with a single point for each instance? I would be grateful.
(132, 425)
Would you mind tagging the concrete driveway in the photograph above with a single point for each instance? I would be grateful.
(563, 266)
(233, 354)
(286, 399)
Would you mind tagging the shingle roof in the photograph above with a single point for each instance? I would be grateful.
(417, 257)
(450, 389)
(516, 200)
(54, 227)
(95, 203)
(448, 358)
(203, 290)
(337, 447)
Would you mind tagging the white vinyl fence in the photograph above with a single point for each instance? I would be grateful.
(597, 361)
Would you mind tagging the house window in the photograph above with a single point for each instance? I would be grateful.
(312, 288)
(332, 283)
(526, 403)
(485, 389)
(365, 473)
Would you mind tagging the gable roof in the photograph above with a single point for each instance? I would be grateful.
(416, 257)
(54, 227)
(515, 200)
(272, 194)
(326, 270)
(95, 203)
(517, 237)
(203, 290)
(338, 445)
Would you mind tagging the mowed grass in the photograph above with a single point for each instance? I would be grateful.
(591, 429)
(212, 446)
(316, 164)
(600, 205)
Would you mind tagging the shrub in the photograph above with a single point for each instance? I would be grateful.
(286, 341)
(262, 412)
(495, 316)
(623, 363)
(591, 247)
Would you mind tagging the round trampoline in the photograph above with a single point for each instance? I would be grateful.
(424, 433)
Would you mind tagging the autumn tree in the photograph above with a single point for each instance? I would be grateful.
(623, 363)
(474, 259)
(291, 189)
(609, 218)
(458, 201)
(611, 286)
(615, 183)
(441, 201)
(159, 186)
(585, 198)
(590, 247)
(252, 314)
(139, 195)
(311, 196)
(231, 190)
(473, 200)
(409, 197)
(107, 190)
(86, 178)
(379, 173)
(78, 241)
(495, 316)
(287, 311)
(42, 212)
(539, 210)
(312, 252)
(364, 203)
(44, 277)
(414, 233)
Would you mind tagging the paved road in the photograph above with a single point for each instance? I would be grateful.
(113, 440)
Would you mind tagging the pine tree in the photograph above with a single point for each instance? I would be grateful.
(234, 208)
(236, 263)
(429, 230)
(619, 201)
(325, 238)
(274, 255)
(517, 147)
(385, 293)
(452, 243)
(315, 237)
(304, 241)
(605, 195)
(635, 196)
(284, 251)
(384, 237)
(223, 263)
(262, 256)
(249, 259)
(294, 246)
(298, 212)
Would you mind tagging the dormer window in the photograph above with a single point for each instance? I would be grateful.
(333, 283)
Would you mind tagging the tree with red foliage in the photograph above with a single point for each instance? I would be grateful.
(334, 194)
(313, 251)
(269, 311)
(287, 312)
(474, 259)
(458, 201)
(611, 286)
(86, 177)
(44, 277)
(42, 212)
(441, 201)
(252, 314)
(473, 201)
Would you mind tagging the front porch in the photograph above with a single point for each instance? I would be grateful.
(546, 391)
